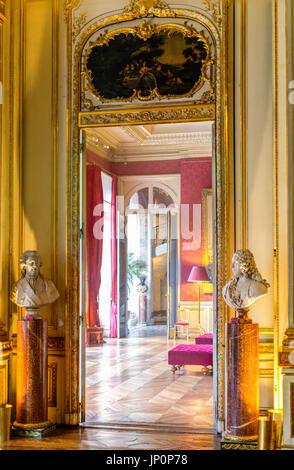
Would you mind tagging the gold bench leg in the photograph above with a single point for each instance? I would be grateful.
(205, 370)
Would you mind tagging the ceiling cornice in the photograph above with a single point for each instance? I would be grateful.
(140, 133)
(144, 145)
(179, 138)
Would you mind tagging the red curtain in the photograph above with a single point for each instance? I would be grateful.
(113, 318)
(94, 241)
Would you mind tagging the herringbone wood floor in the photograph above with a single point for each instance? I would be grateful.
(129, 381)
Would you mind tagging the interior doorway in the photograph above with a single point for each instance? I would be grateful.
(152, 258)
(160, 219)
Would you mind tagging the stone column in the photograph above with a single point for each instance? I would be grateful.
(32, 379)
(242, 385)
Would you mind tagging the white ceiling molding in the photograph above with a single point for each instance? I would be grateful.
(180, 138)
(162, 153)
(151, 142)
(99, 147)
(140, 133)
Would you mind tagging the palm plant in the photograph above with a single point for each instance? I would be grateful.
(135, 269)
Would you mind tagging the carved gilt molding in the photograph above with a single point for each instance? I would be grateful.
(214, 21)
(68, 6)
(56, 343)
(52, 384)
(156, 116)
(142, 8)
(2, 10)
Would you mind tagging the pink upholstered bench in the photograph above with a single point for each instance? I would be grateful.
(191, 354)
(204, 339)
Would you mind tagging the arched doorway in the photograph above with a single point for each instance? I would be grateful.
(150, 209)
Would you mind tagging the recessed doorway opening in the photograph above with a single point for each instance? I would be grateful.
(148, 194)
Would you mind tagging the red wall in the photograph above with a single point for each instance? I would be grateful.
(195, 175)
(95, 159)
(147, 168)
(156, 167)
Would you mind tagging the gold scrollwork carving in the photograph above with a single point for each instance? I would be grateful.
(103, 118)
(266, 348)
(213, 8)
(237, 446)
(68, 6)
(285, 357)
(52, 390)
(145, 31)
(143, 8)
(56, 343)
(78, 24)
(5, 346)
(2, 10)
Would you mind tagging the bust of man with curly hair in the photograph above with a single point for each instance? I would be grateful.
(247, 284)
(32, 290)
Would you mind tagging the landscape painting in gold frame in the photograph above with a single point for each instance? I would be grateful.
(147, 62)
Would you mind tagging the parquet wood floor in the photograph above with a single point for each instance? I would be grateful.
(129, 381)
(101, 439)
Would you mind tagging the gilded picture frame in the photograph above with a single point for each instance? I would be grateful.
(148, 61)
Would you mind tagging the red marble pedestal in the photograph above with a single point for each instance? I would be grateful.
(142, 308)
(32, 379)
(242, 378)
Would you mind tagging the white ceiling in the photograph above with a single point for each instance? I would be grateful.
(151, 142)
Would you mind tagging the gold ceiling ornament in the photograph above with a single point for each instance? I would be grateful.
(143, 8)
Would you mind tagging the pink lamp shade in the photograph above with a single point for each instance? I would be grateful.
(198, 274)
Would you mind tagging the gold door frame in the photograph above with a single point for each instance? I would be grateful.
(216, 18)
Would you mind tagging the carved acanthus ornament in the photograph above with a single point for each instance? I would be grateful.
(198, 113)
(286, 354)
(78, 24)
(142, 8)
(213, 8)
(68, 6)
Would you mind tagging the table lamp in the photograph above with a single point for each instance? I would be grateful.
(198, 274)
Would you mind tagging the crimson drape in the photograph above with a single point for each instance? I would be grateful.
(113, 317)
(94, 241)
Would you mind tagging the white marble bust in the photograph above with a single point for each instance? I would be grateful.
(32, 290)
(142, 288)
(247, 284)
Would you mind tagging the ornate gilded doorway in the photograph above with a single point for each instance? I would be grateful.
(138, 94)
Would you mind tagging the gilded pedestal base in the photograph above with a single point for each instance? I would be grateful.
(32, 430)
(242, 443)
